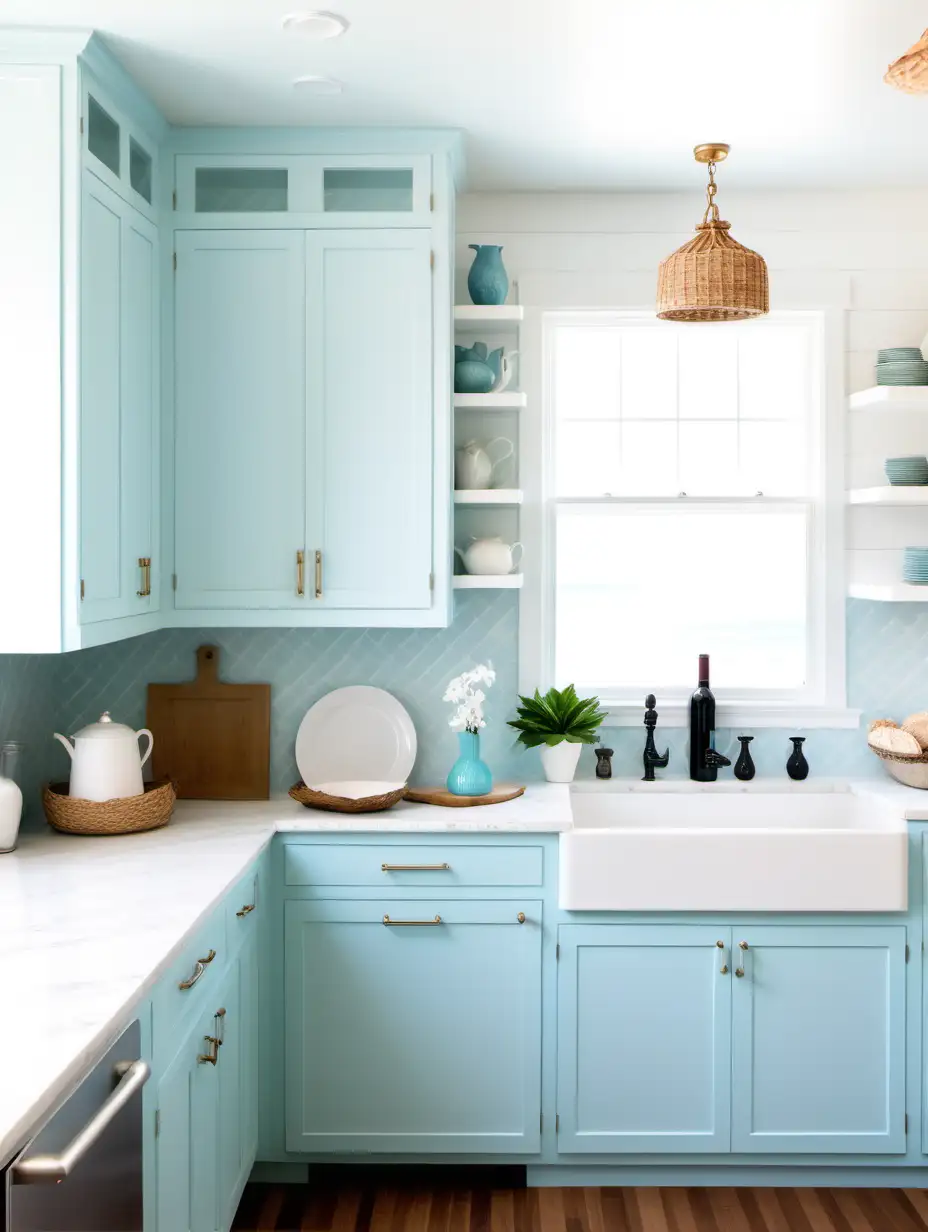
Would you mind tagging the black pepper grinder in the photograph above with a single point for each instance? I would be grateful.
(744, 766)
(604, 763)
(797, 767)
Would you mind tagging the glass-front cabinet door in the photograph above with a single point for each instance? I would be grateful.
(343, 190)
(124, 158)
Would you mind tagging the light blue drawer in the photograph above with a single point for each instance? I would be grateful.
(389, 865)
(199, 966)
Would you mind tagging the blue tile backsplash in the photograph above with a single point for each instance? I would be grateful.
(887, 649)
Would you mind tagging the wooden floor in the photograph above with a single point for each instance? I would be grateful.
(376, 1207)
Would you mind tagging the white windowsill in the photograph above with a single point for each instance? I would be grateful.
(735, 714)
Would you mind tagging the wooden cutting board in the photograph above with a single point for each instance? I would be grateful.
(212, 739)
(441, 795)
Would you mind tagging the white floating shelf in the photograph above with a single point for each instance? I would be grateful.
(498, 581)
(900, 397)
(889, 494)
(488, 314)
(506, 401)
(896, 592)
(490, 496)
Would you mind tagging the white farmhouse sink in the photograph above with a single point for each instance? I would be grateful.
(732, 849)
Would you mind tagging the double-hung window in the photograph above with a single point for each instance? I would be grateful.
(686, 504)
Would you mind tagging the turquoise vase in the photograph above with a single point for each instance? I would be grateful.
(469, 775)
(487, 281)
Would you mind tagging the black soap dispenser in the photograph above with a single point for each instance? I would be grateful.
(744, 766)
(797, 767)
(603, 762)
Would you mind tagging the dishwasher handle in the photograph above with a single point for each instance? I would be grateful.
(51, 1169)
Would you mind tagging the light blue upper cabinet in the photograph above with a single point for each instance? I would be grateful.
(116, 149)
(818, 1057)
(119, 418)
(369, 408)
(644, 1020)
(413, 1039)
(240, 442)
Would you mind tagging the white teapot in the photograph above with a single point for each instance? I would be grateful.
(474, 466)
(105, 760)
(490, 556)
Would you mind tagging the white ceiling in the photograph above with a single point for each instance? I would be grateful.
(581, 94)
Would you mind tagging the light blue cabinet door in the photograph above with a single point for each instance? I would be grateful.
(140, 418)
(421, 1038)
(644, 1016)
(237, 1081)
(240, 427)
(119, 444)
(369, 404)
(818, 1048)
(103, 571)
(186, 1145)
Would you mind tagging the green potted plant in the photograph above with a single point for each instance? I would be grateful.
(558, 724)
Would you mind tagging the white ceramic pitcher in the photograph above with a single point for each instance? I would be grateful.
(490, 556)
(105, 760)
(474, 465)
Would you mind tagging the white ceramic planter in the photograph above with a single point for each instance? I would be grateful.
(559, 761)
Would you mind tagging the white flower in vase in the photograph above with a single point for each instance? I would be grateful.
(468, 699)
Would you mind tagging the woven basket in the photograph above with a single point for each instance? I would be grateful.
(130, 815)
(342, 804)
(908, 768)
(712, 278)
(910, 72)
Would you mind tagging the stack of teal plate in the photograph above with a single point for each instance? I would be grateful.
(915, 566)
(908, 472)
(901, 366)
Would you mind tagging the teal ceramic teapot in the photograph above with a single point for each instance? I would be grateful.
(472, 373)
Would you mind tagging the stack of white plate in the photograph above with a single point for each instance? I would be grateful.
(901, 366)
(356, 742)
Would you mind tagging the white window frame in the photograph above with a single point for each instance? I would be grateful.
(823, 703)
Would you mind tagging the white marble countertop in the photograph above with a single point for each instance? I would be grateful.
(88, 925)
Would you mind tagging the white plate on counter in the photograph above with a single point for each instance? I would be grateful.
(356, 733)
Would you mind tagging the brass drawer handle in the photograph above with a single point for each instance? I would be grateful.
(201, 965)
(300, 561)
(221, 1023)
(246, 910)
(211, 1057)
(411, 923)
(415, 868)
(723, 970)
(145, 566)
(521, 917)
(318, 574)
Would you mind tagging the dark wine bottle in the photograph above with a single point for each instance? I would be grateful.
(702, 726)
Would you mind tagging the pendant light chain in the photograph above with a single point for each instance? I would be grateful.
(711, 190)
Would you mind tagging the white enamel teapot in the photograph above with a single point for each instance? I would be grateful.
(105, 760)
(490, 556)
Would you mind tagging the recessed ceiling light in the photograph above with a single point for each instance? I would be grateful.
(311, 84)
(316, 25)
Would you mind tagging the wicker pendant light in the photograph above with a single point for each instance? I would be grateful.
(910, 72)
(712, 277)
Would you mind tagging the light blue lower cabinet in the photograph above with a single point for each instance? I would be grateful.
(413, 1026)
(644, 1028)
(818, 1040)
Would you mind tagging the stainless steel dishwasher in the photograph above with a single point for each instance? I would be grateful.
(82, 1172)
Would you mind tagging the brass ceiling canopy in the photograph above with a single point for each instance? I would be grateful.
(712, 277)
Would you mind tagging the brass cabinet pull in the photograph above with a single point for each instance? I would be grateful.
(723, 970)
(246, 910)
(318, 574)
(521, 917)
(415, 868)
(221, 1021)
(211, 1057)
(300, 561)
(200, 967)
(411, 923)
(145, 566)
(743, 947)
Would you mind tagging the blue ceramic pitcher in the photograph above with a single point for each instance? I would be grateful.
(487, 281)
(472, 373)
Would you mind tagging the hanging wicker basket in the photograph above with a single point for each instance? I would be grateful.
(910, 72)
(712, 278)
